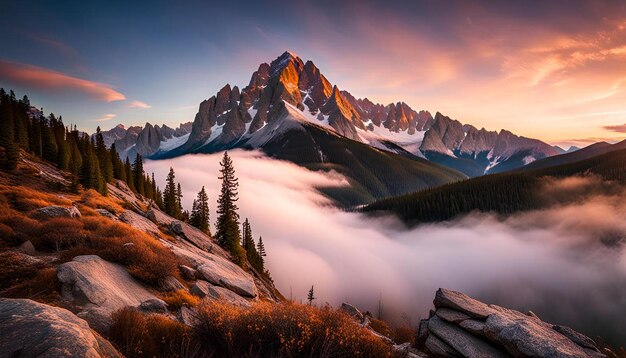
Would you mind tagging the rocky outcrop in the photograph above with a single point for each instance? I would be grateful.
(140, 222)
(192, 235)
(97, 288)
(57, 212)
(32, 329)
(464, 327)
(204, 289)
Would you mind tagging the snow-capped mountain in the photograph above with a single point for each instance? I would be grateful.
(146, 141)
(251, 116)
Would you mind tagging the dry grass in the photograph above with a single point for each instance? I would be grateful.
(93, 200)
(179, 298)
(380, 326)
(139, 335)
(145, 258)
(58, 234)
(265, 330)
(26, 199)
(284, 330)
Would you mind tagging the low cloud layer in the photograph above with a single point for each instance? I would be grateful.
(565, 263)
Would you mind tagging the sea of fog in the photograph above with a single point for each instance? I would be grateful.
(566, 263)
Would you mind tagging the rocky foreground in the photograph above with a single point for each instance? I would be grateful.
(461, 326)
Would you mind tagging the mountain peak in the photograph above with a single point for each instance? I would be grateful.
(120, 126)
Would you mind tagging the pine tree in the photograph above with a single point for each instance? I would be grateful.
(170, 195)
(9, 155)
(252, 254)
(48, 142)
(179, 199)
(200, 212)
(130, 180)
(118, 165)
(261, 247)
(138, 175)
(311, 296)
(227, 225)
(104, 157)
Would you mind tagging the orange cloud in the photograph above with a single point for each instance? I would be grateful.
(139, 104)
(106, 117)
(46, 79)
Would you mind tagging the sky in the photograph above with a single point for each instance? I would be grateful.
(550, 70)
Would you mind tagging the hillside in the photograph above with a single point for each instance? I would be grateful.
(578, 155)
(499, 193)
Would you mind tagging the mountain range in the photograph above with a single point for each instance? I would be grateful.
(291, 111)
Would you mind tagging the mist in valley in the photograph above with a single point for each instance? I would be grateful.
(567, 263)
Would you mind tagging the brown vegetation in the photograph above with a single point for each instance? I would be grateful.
(139, 335)
(179, 298)
(284, 330)
(380, 326)
(265, 330)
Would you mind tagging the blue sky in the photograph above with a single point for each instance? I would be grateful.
(552, 70)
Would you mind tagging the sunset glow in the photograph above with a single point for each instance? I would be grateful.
(550, 71)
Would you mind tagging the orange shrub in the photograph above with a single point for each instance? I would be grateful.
(144, 257)
(26, 199)
(139, 335)
(380, 327)
(93, 199)
(59, 233)
(284, 330)
(176, 299)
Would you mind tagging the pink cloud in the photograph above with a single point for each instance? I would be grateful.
(621, 128)
(139, 104)
(50, 80)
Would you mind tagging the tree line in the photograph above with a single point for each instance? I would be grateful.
(92, 166)
(88, 160)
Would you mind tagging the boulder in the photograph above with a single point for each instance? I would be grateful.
(451, 316)
(200, 288)
(215, 269)
(192, 234)
(205, 290)
(222, 294)
(352, 312)
(473, 326)
(32, 329)
(529, 336)
(458, 301)
(438, 348)
(153, 305)
(106, 214)
(576, 337)
(140, 223)
(463, 342)
(188, 272)
(27, 248)
(473, 329)
(158, 217)
(54, 211)
(170, 283)
(222, 272)
(97, 288)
